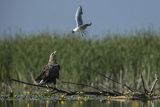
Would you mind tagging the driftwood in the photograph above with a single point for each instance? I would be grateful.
(137, 94)
(132, 94)
(42, 86)
(100, 92)
(124, 85)
(82, 85)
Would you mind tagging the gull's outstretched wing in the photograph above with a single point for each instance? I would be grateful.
(78, 16)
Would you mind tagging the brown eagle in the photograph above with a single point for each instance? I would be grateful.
(50, 72)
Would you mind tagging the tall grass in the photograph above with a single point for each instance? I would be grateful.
(122, 58)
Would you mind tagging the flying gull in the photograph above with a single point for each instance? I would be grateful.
(79, 22)
(50, 72)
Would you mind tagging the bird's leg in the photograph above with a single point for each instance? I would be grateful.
(54, 85)
(47, 86)
(83, 34)
(54, 88)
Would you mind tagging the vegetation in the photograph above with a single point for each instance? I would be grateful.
(121, 57)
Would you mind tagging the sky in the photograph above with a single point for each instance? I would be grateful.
(34, 16)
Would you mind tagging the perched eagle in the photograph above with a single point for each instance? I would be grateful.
(50, 72)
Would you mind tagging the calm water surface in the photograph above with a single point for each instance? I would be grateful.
(43, 103)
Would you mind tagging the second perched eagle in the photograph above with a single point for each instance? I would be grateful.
(50, 72)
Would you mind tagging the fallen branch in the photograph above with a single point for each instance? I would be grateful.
(124, 85)
(105, 93)
(101, 92)
(83, 85)
(48, 87)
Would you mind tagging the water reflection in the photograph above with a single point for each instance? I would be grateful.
(48, 103)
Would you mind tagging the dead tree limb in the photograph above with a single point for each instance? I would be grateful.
(154, 83)
(144, 87)
(53, 88)
(82, 85)
(124, 85)
(71, 92)
(105, 93)
(102, 92)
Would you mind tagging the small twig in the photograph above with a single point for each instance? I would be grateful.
(154, 83)
(124, 85)
(53, 88)
(144, 87)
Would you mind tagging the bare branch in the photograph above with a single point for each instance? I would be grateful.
(53, 88)
(154, 83)
(124, 85)
(101, 91)
(144, 87)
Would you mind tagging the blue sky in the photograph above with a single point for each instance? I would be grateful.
(34, 16)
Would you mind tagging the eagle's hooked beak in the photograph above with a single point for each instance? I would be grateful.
(54, 52)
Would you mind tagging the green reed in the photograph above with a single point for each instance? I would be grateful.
(122, 57)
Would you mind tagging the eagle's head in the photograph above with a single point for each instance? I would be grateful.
(52, 58)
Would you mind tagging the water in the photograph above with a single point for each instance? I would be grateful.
(49, 103)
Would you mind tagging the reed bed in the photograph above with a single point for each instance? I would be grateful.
(121, 57)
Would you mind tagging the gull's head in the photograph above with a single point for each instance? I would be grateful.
(73, 31)
(52, 58)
